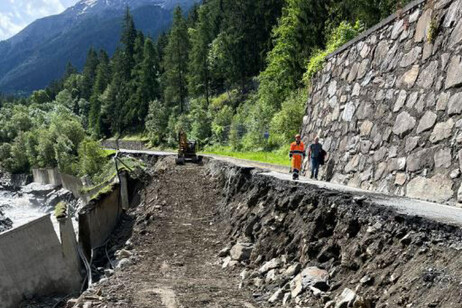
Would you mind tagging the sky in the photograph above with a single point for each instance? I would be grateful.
(15, 15)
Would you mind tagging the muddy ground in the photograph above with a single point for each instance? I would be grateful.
(174, 244)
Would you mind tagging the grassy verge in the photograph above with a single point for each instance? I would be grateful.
(279, 157)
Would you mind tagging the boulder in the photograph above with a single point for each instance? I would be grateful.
(426, 122)
(404, 124)
(437, 189)
(272, 264)
(345, 299)
(442, 131)
(309, 277)
(241, 251)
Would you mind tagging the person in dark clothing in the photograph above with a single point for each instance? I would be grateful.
(315, 153)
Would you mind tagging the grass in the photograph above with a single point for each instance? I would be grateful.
(279, 157)
(60, 210)
(132, 137)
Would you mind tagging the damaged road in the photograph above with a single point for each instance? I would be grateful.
(171, 258)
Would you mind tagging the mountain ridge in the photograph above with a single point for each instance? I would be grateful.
(38, 54)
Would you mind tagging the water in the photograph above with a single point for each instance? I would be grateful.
(22, 207)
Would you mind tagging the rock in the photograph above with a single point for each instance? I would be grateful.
(442, 131)
(400, 178)
(330, 304)
(422, 26)
(411, 144)
(270, 276)
(292, 270)
(352, 164)
(437, 189)
(348, 112)
(332, 88)
(452, 14)
(364, 51)
(454, 173)
(380, 53)
(273, 263)
(241, 251)
(419, 160)
(456, 36)
(459, 194)
(443, 158)
(454, 72)
(224, 252)
(124, 263)
(455, 104)
(123, 254)
(108, 272)
(286, 298)
(353, 72)
(366, 128)
(400, 101)
(226, 262)
(309, 277)
(409, 78)
(395, 164)
(426, 122)
(397, 29)
(363, 68)
(442, 102)
(427, 75)
(87, 305)
(278, 295)
(345, 299)
(411, 57)
(404, 124)
(356, 90)
(412, 99)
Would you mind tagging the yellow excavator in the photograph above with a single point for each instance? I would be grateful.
(187, 150)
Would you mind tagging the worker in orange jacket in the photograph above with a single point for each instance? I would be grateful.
(297, 155)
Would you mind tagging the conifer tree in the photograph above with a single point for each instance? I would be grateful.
(175, 63)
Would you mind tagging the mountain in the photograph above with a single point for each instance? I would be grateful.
(38, 54)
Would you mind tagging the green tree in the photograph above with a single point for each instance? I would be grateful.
(176, 63)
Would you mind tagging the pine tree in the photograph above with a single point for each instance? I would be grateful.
(102, 79)
(89, 74)
(175, 63)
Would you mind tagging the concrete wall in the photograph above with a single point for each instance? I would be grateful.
(124, 144)
(32, 262)
(72, 183)
(47, 176)
(98, 219)
(388, 105)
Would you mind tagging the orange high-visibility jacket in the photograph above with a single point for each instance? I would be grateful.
(297, 153)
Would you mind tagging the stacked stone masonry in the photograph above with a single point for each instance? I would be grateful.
(388, 107)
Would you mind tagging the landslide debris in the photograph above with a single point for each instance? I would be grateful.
(297, 245)
(170, 257)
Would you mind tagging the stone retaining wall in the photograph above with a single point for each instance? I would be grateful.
(388, 105)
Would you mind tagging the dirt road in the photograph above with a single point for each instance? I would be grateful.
(176, 242)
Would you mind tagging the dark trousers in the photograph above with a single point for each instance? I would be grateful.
(314, 167)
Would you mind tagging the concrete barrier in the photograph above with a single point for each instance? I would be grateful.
(98, 219)
(33, 262)
(47, 176)
(73, 184)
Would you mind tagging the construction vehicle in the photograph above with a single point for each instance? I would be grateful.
(187, 150)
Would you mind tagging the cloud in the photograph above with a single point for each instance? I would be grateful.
(15, 15)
